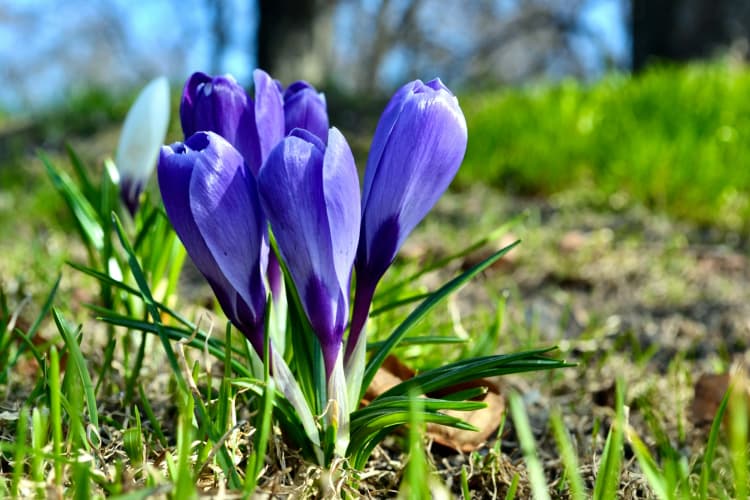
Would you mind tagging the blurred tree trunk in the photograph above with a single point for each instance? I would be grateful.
(682, 30)
(219, 27)
(294, 38)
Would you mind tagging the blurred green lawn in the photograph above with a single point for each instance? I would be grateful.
(675, 139)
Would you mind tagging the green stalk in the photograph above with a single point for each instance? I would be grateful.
(55, 413)
(20, 451)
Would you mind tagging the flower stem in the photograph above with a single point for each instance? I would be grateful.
(361, 310)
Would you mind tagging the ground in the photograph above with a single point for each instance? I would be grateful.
(622, 291)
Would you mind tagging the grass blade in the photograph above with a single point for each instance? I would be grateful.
(55, 413)
(526, 440)
(608, 476)
(713, 439)
(472, 369)
(569, 458)
(84, 213)
(654, 475)
(79, 364)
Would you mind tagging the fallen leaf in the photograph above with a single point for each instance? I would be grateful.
(573, 241)
(487, 420)
(708, 392)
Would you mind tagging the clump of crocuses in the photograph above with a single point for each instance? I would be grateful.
(267, 174)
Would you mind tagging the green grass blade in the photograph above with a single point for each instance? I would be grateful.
(511, 493)
(472, 369)
(417, 473)
(441, 263)
(465, 491)
(38, 442)
(738, 443)
(55, 413)
(75, 356)
(398, 303)
(526, 440)
(569, 458)
(426, 306)
(263, 421)
(83, 177)
(20, 451)
(654, 475)
(713, 439)
(35, 326)
(151, 416)
(84, 213)
(421, 340)
(608, 476)
(183, 474)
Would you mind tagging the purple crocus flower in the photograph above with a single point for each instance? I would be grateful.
(305, 107)
(418, 146)
(310, 194)
(211, 199)
(219, 104)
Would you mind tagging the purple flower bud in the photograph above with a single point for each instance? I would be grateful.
(418, 146)
(305, 107)
(310, 194)
(219, 104)
(211, 199)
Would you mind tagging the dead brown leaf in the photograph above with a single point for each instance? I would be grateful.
(709, 391)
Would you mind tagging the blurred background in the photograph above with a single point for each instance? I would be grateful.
(53, 48)
(631, 102)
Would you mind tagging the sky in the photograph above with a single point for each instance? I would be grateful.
(176, 44)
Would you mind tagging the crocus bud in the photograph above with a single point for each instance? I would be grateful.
(219, 104)
(419, 144)
(310, 194)
(211, 199)
(142, 135)
(305, 107)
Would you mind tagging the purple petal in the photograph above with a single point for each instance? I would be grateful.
(382, 132)
(178, 164)
(219, 104)
(311, 197)
(418, 146)
(341, 185)
(305, 108)
(269, 115)
(224, 203)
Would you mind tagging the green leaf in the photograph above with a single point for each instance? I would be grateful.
(441, 263)
(426, 306)
(79, 364)
(84, 213)
(472, 369)
(83, 177)
(422, 340)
